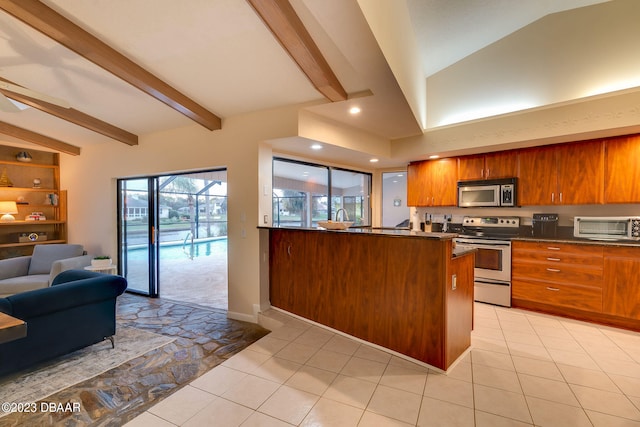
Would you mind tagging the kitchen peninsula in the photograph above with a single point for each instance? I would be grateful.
(403, 290)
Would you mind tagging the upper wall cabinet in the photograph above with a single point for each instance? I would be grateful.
(622, 170)
(432, 183)
(503, 164)
(567, 174)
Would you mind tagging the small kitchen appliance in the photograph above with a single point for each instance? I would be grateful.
(544, 225)
(487, 193)
(607, 227)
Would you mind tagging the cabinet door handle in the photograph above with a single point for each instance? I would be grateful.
(553, 248)
(553, 197)
(553, 270)
(488, 173)
(553, 289)
(561, 197)
(289, 250)
(481, 173)
(553, 259)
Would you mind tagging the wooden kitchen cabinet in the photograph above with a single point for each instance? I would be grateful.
(378, 287)
(622, 282)
(432, 183)
(564, 174)
(622, 170)
(502, 164)
(557, 275)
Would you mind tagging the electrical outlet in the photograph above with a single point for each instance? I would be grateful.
(266, 219)
(454, 282)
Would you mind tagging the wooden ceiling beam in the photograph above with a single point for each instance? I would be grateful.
(39, 139)
(289, 30)
(50, 23)
(74, 116)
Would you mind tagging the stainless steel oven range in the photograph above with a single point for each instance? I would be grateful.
(491, 237)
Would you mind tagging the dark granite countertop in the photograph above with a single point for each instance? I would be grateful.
(392, 232)
(575, 240)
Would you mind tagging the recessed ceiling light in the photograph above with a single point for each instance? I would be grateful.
(434, 156)
(400, 175)
(354, 110)
(316, 147)
(373, 160)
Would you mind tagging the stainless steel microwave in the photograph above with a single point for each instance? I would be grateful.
(607, 227)
(487, 193)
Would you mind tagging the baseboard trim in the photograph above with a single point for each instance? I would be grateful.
(251, 318)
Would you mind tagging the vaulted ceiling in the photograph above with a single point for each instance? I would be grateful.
(135, 67)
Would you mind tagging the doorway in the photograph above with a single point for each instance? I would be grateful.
(172, 236)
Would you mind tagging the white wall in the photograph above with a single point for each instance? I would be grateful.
(91, 183)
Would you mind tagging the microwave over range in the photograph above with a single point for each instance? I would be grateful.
(487, 193)
(607, 227)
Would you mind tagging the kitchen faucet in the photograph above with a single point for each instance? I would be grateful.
(344, 211)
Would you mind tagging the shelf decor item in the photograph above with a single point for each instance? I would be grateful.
(101, 261)
(7, 209)
(4, 179)
(24, 156)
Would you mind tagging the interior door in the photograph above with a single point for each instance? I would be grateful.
(138, 258)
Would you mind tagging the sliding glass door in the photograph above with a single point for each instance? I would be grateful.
(173, 236)
(138, 214)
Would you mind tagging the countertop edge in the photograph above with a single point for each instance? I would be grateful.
(576, 241)
(372, 232)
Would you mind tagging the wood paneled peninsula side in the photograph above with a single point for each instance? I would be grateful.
(406, 291)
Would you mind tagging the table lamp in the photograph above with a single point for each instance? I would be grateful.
(7, 209)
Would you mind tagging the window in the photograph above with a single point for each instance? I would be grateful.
(302, 191)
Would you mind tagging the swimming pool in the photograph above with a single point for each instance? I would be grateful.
(176, 250)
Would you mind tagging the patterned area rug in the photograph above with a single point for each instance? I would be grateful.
(47, 379)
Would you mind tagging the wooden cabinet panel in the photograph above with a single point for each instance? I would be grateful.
(382, 289)
(538, 178)
(580, 173)
(565, 174)
(622, 282)
(432, 183)
(501, 164)
(563, 295)
(622, 170)
(558, 272)
(444, 177)
(562, 275)
(471, 167)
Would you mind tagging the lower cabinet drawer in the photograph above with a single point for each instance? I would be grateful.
(572, 296)
(561, 273)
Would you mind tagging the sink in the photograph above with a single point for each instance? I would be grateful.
(335, 225)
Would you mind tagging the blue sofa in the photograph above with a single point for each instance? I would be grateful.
(77, 310)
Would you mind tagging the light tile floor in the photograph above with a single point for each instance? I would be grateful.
(523, 369)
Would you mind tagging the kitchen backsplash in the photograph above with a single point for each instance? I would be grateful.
(566, 213)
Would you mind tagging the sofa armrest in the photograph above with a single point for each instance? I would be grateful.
(14, 267)
(40, 302)
(74, 263)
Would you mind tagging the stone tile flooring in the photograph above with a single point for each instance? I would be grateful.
(205, 339)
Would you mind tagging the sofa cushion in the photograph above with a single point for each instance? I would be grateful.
(64, 296)
(44, 255)
(15, 285)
